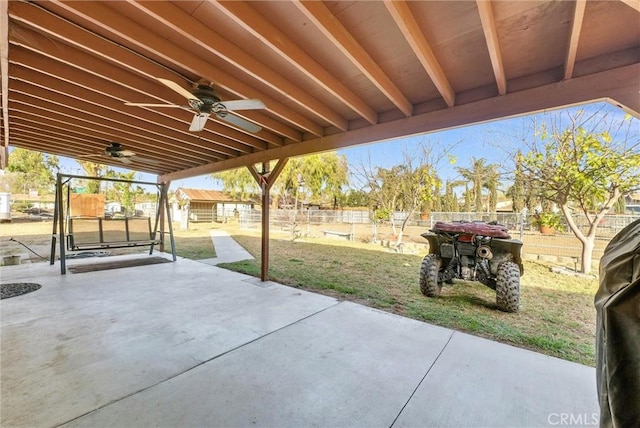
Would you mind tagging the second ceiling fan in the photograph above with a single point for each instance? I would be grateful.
(204, 101)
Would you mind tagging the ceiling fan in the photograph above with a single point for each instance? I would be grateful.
(115, 150)
(204, 101)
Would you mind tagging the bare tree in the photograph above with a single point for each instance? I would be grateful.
(407, 187)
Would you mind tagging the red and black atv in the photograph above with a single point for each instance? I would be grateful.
(473, 251)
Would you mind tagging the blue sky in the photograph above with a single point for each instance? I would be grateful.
(478, 141)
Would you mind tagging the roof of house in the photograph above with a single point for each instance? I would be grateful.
(202, 195)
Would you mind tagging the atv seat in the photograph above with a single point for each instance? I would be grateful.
(471, 228)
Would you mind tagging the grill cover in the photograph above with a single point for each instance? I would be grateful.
(618, 330)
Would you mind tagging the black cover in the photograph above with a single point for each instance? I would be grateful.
(618, 330)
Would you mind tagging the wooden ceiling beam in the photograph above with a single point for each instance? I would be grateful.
(202, 35)
(24, 102)
(574, 37)
(330, 26)
(34, 16)
(407, 24)
(150, 91)
(632, 3)
(579, 90)
(32, 141)
(100, 89)
(491, 36)
(250, 20)
(100, 14)
(61, 97)
(98, 133)
(104, 106)
(4, 82)
(70, 138)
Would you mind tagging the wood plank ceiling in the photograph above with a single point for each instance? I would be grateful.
(331, 74)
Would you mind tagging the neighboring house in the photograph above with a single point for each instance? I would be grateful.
(146, 209)
(33, 200)
(632, 202)
(207, 205)
(113, 207)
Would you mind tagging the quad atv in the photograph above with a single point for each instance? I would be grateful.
(473, 251)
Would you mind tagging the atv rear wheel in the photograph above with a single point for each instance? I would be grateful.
(429, 284)
(508, 287)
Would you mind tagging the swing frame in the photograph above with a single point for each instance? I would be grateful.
(65, 238)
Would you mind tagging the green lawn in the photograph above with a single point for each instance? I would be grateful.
(195, 243)
(557, 316)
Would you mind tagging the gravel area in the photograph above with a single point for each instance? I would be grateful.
(18, 289)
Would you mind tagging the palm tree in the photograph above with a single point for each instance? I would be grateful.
(480, 175)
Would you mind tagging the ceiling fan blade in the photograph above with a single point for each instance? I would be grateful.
(251, 104)
(179, 89)
(154, 105)
(198, 122)
(240, 122)
(124, 160)
(125, 153)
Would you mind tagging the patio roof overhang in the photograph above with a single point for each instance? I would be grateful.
(331, 74)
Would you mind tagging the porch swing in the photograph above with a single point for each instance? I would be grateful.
(86, 229)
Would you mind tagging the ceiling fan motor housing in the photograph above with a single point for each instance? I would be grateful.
(208, 101)
(113, 148)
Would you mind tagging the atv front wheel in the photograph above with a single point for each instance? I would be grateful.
(508, 287)
(429, 284)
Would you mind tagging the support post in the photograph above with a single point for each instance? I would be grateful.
(265, 180)
(63, 216)
(264, 265)
(57, 211)
(159, 208)
(167, 206)
(162, 216)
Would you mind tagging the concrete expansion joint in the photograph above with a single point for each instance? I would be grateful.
(423, 377)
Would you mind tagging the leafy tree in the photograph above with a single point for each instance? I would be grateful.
(436, 201)
(125, 193)
(517, 191)
(356, 198)
(92, 169)
(408, 187)
(239, 183)
(384, 187)
(491, 184)
(418, 184)
(316, 176)
(584, 163)
(481, 175)
(34, 170)
(450, 202)
(620, 206)
(319, 177)
(467, 199)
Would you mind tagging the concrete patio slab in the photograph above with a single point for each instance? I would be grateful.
(85, 340)
(481, 383)
(188, 344)
(345, 366)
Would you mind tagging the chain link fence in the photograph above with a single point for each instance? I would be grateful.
(358, 225)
